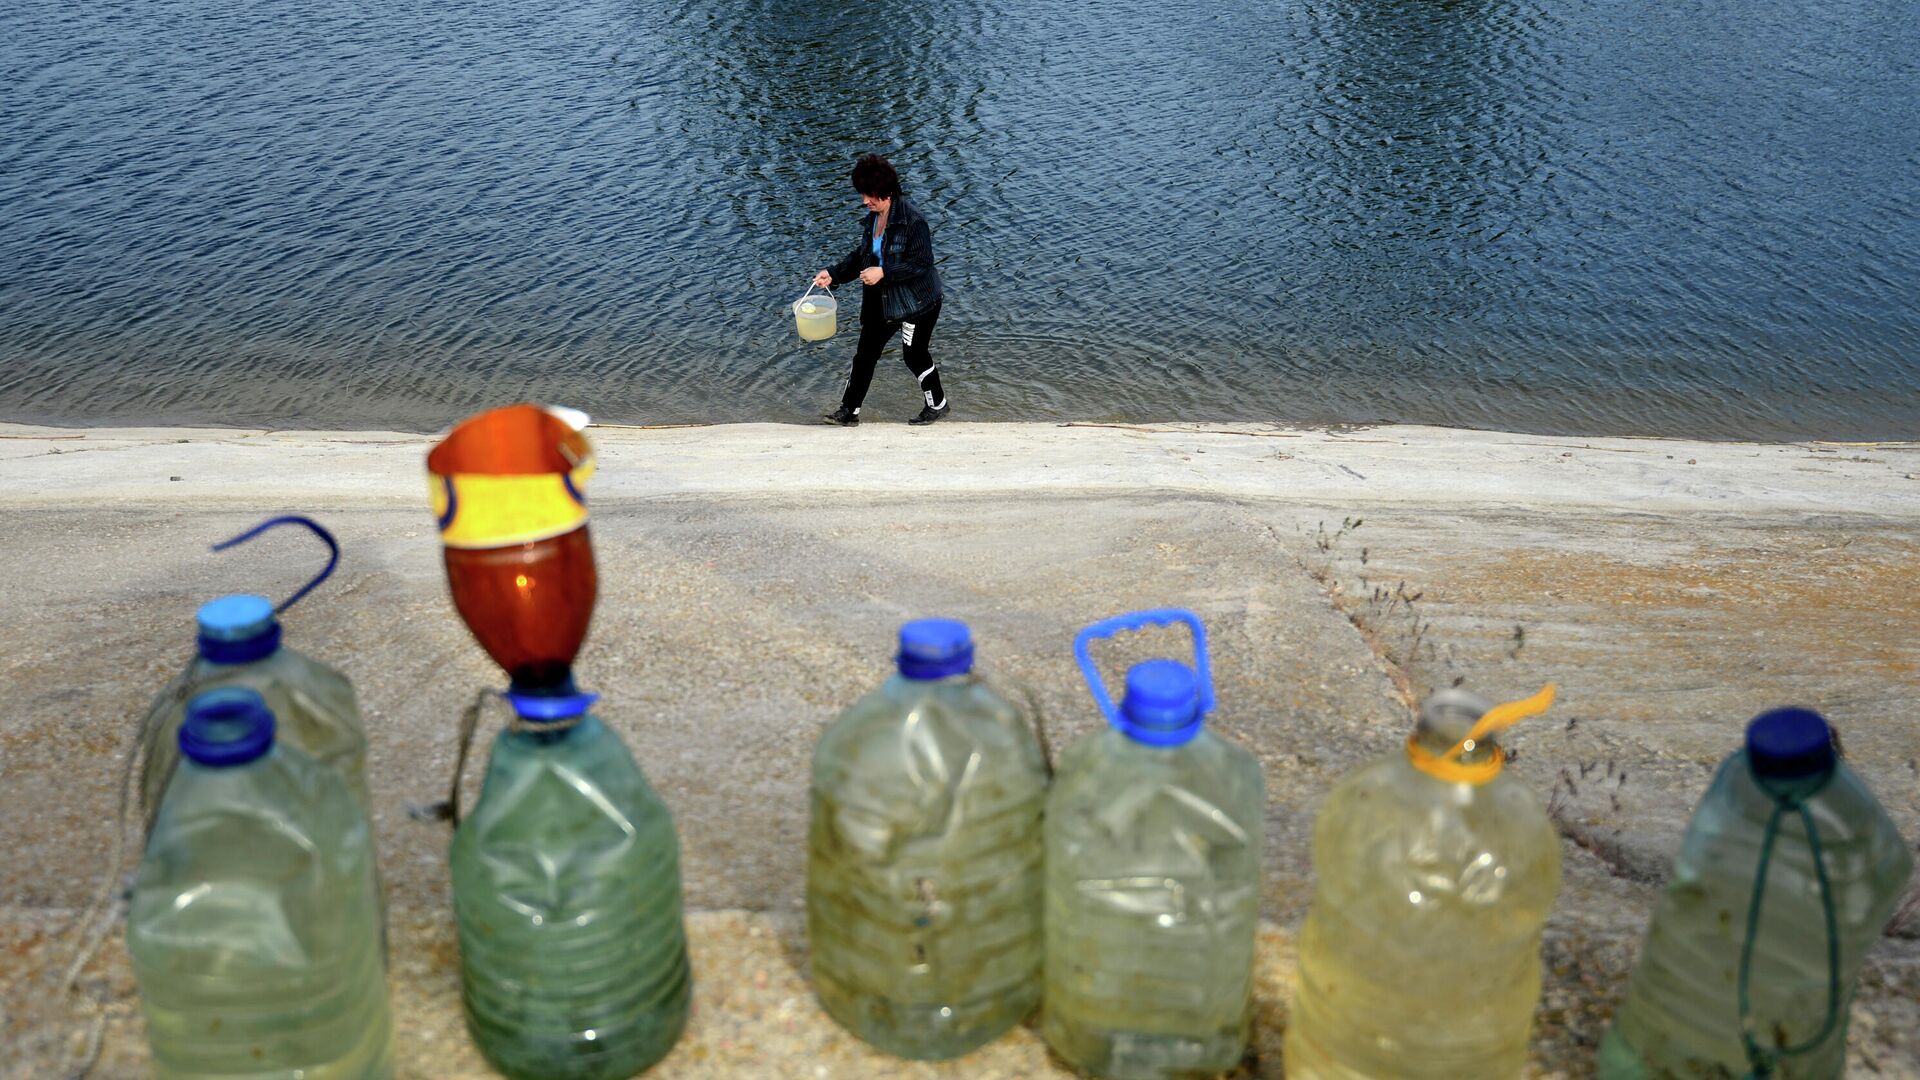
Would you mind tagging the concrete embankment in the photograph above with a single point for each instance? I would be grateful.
(752, 577)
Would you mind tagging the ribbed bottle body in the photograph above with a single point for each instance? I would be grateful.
(1152, 905)
(1681, 1017)
(313, 706)
(566, 894)
(1420, 954)
(923, 867)
(255, 930)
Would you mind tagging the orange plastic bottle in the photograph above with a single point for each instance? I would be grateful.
(508, 490)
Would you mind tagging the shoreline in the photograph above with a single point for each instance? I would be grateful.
(888, 408)
(1405, 465)
(751, 577)
(54, 429)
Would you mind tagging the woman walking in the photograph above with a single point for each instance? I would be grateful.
(894, 262)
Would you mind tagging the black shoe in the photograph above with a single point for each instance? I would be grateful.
(843, 416)
(928, 414)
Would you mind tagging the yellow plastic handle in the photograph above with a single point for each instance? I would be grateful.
(1450, 768)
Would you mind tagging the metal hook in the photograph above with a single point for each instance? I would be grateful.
(333, 548)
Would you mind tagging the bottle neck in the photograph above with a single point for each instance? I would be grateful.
(548, 712)
(920, 677)
(229, 653)
(548, 734)
(1789, 791)
(1446, 719)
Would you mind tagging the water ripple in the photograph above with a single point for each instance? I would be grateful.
(1580, 216)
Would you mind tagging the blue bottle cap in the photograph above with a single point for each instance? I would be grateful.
(237, 629)
(934, 649)
(550, 706)
(1789, 744)
(1162, 703)
(228, 726)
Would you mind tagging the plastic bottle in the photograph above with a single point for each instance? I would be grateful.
(240, 645)
(1434, 873)
(1787, 874)
(1153, 840)
(254, 931)
(528, 604)
(508, 492)
(566, 893)
(923, 868)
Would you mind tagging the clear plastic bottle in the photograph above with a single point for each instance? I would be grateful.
(566, 893)
(313, 704)
(254, 931)
(1434, 873)
(1153, 842)
(1786, 832)
(923, 859)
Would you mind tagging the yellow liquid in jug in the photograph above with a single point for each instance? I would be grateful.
(815, 320)
(1420, 957)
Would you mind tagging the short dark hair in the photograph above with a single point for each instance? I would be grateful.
(873, 175)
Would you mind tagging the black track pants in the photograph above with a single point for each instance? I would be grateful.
(916, 335)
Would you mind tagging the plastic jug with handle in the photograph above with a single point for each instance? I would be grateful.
(1153, 842)
(816, 316)
(1433, 871)
(566, 896)
(240, 644)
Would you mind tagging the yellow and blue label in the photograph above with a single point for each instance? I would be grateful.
(483, 510)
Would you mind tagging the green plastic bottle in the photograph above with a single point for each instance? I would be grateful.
(1153, 840)
(566, 893)
(254, 930)
(1434, 873)
(1788, 872)
(239, 645)
(923, 857)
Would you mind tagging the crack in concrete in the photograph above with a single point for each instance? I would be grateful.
(1617, 861)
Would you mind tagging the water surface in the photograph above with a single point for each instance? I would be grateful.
(1578, 216)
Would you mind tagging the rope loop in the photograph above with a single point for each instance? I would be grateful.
(1762, 1060)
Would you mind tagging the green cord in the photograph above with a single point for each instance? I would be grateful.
(1761, 1059)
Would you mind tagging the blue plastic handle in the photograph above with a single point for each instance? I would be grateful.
(1140, 620)
(333, 549)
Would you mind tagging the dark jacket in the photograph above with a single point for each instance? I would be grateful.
(911, 282)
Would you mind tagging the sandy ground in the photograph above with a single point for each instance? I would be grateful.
(751, 580)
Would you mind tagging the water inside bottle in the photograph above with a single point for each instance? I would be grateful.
(1833, 853)
(1153, 846)
(567, 899)
(1420, 954)
(255, 927)
(923, 874)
